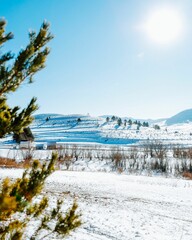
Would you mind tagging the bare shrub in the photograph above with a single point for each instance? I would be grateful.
(183, 166)
(27, 154)
(117, 159)
(120, 170)
(134, 153)
(64, 157)
(133, 156)
(75, 152)
(157, 150)
(182, 153)
(187, 175)
(190, 153)
(177, 152)
(159, 165)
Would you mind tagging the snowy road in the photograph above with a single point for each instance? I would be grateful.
(121, 207)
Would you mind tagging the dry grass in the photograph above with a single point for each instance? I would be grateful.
(11, 163)
(187, 175)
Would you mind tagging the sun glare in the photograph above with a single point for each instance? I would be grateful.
(164, 26)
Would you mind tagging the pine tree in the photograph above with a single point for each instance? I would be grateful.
(107, 119)
(145, 124)
(130, 122)
(119, 121)
(113, 118)
(139, 123)
(157, 127)
(17, 198)
(16, 70)
(18, 209)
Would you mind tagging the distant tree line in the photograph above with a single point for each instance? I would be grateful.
(126, 122)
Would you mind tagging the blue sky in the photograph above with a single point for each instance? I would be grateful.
(101, 62)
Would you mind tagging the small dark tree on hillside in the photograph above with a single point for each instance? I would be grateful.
(107, 119)
(113, 118)
(156, 127)
(130, 122)
(119, 121)
(79, 120)
(139, 124)
(145, 124)
(16, 70)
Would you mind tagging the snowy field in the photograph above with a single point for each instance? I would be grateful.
(121, 207)
(113, 206)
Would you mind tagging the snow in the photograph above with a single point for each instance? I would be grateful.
(114, 206)
(121, 207)
(67, 129)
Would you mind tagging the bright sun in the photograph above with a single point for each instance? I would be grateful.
(164, 26)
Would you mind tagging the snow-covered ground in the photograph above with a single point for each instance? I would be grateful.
(86, 130)
(67, 129)
(113, 206)
(121, 207)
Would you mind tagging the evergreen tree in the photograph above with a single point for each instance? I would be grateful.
(107, 119)
(79, 120)
(156, 127)
(113, 118)
(16, 70)
(18, 209)
(130, 122)
(119, 121)
(145, 124)
(139, 123)
(22, 200)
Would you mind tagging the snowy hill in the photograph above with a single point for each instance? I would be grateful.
(182, 117)
(83, 129)
(76, 129)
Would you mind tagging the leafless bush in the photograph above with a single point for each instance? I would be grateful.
(157, 150)
(159, 164)
(27, 154)
(134, 153)
(133, 159)
(182, 153)
(117, 157)
(75, 152)
(64, 157)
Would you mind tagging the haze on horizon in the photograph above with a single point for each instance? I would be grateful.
(125, 58)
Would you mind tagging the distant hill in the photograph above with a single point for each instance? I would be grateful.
(182, 117)
(85, 129)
